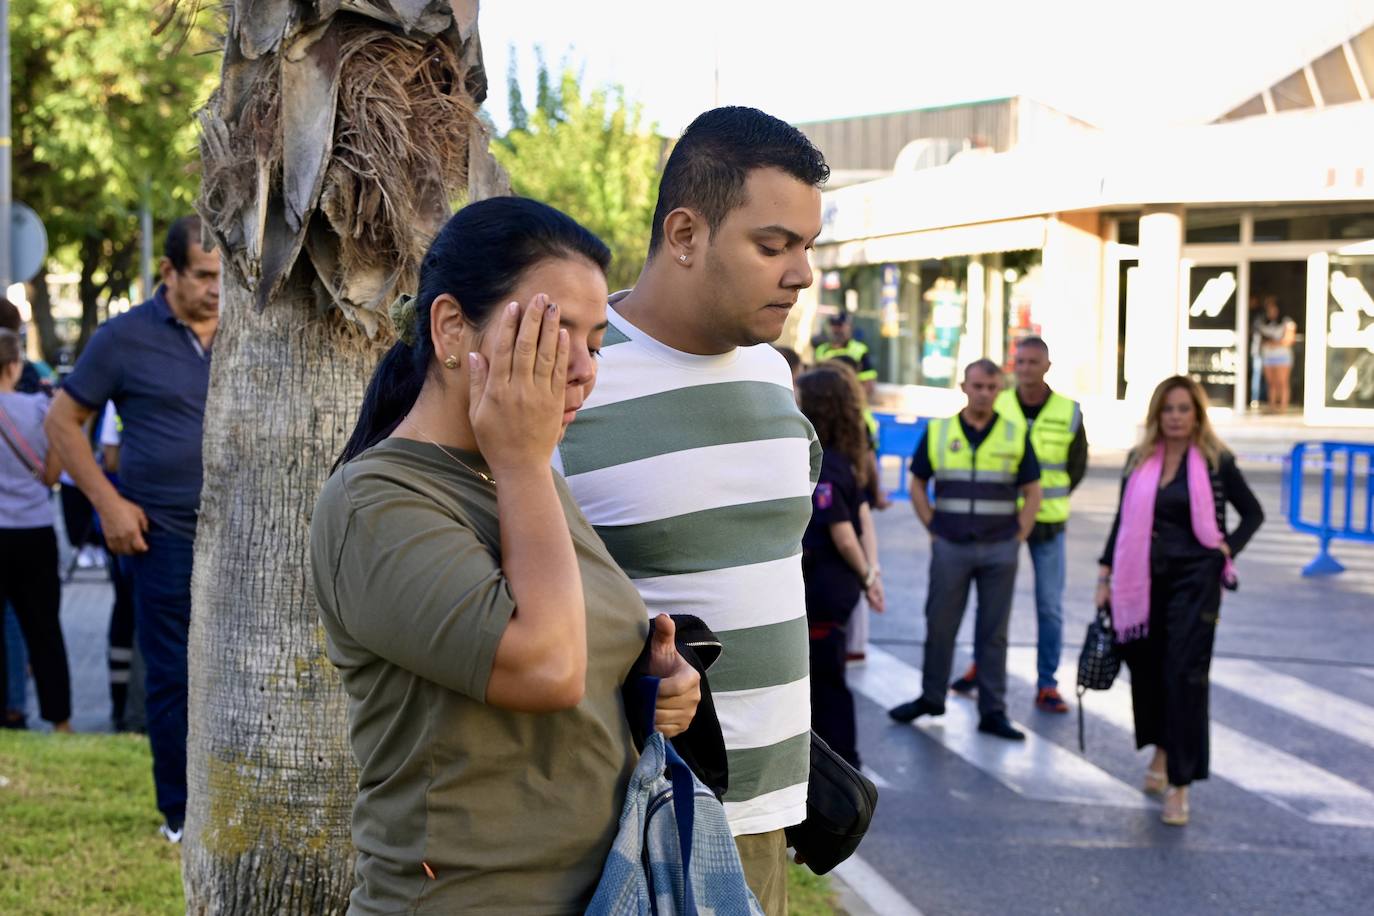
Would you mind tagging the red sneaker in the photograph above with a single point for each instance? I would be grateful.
(1049, 700)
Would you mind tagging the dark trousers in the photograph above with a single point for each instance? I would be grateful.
(1171, 665)
(121, 640)
(162, 619)
(832, 705)
(29, 582)
(953, 568)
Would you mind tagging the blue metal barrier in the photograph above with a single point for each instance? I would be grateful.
(1343, 457)
(899, 438)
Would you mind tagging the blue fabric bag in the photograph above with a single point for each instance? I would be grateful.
(671, 826)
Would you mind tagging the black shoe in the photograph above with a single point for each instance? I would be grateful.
(910, 712)
(998, 724)
(966, 685)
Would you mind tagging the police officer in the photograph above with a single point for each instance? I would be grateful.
(1061, 445)
(842, 343)
(983, 464)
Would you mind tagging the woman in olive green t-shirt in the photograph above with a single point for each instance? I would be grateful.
(479, 625)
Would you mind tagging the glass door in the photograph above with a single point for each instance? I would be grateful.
(1211, 340)
(1340, 314)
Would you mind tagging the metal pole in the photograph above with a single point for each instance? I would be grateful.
(145, 225)
(5, 272)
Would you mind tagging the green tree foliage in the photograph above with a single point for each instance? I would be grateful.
(102, 122)
(591, 156)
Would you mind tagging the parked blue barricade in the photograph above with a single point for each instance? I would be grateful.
(900, 438)
(1347, 505)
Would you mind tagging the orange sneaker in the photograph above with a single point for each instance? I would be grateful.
(1049, 700)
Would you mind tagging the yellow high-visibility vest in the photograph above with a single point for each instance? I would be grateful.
(1051, 434)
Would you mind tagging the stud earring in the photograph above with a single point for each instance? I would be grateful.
(682, 258)
(450, 362)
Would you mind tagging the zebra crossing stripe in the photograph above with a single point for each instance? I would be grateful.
(1297, 698)
(1037, 769)
(1276, 776)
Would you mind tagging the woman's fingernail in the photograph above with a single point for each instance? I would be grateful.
(472, 361)
(513, 308)
(552, 307)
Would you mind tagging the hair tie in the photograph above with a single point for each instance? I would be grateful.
(402, 314)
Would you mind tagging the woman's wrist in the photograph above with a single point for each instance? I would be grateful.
(870, 576)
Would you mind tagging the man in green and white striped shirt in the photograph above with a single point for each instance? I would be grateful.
(693, 461)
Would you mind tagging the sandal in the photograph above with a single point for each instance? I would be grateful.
(1155, 783)
(1178, 816)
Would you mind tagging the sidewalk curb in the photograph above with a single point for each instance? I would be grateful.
(861, 891)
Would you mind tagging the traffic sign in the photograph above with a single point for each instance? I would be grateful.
(28, 243)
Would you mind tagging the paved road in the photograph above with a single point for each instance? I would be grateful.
(971, 824)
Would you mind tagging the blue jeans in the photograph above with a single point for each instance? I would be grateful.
(1048, 559)
(162, 615)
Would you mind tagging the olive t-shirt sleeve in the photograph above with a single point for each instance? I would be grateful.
(427, 594)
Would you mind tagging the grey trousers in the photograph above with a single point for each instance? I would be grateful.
(953, 567)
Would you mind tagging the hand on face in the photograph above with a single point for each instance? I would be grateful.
(517, 391)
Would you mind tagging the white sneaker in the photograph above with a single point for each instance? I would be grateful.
(170, 835)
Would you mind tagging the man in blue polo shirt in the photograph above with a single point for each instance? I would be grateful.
(153, 362)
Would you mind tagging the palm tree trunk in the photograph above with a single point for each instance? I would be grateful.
(332, 152)
(270, 775)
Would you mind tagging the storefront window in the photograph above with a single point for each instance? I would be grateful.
(1211, 227)
(1306, 224)
(1350, 343)
(1021, 275)
(1128, 231)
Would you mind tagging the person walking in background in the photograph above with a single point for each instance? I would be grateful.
(694, 463)
(1166, 560)
(28, 542)
(1277, 333)
(835, 566)
(1061, 447)
(982, 464)
(153, 362)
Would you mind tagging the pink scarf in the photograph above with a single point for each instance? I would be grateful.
(1131, 559)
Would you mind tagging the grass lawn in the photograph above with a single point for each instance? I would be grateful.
(80, 827)
(78, 831)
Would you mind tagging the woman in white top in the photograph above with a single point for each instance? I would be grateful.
(28, 544)
(1276, 333)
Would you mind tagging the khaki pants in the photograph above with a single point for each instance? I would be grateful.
(764, 857)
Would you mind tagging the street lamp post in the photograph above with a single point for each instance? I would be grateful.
(5, 272)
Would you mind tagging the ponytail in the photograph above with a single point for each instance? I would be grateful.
(394, 388)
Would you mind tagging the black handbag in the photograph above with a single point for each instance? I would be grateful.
(1098, 663)
(840, 802)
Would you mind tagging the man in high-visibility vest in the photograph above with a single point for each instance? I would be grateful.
(1061, 445)
(987, 494)
(842, 343)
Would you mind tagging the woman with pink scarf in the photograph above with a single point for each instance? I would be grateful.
(1166, 561)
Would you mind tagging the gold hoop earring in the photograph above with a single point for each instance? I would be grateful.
(450, 362)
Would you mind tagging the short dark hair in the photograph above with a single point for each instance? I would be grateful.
(984, 365)
(179, 238)
(10, 319)
(1033, 341)
(708, 167)
(839, 318)
(793, 359)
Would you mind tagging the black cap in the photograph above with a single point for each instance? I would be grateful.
(839, 318)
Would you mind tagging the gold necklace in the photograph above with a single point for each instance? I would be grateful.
(485, 477)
